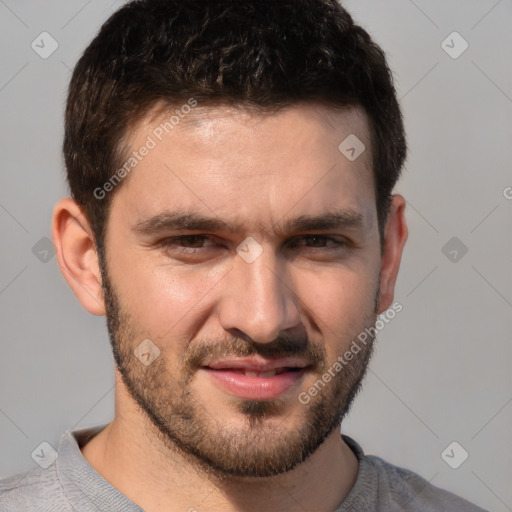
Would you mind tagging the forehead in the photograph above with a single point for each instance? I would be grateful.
(233, 162)
(309, 127)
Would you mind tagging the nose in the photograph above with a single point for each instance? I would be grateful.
(258, 300)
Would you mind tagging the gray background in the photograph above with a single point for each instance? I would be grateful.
(442, 370)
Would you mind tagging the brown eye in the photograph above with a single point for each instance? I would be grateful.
(318, 242)
(186, 242)
(192, 241)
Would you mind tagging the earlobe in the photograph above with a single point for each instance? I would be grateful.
(394, 241)
(76, 254)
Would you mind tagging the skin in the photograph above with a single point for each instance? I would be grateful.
(254, 171)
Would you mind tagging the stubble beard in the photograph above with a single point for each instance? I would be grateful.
(259, 446)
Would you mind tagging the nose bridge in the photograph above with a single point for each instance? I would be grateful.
(258, 301)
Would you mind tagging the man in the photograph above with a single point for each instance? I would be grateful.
(231, 166)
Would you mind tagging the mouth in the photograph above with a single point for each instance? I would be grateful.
(259, 374)
(255, 378)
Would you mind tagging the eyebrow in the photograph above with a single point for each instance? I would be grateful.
(190, 221)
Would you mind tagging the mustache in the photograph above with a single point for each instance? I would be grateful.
(313, 355)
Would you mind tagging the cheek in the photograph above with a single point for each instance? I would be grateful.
(166, 301)
(340, 302)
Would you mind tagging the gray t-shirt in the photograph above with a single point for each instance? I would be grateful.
(70, 484)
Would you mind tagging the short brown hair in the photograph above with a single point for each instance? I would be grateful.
(263, 54)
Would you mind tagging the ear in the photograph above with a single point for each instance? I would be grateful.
(75, 247)
(395, 237)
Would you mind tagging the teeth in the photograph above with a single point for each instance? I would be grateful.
(270, 373)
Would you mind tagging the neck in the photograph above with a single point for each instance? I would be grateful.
(132, 458)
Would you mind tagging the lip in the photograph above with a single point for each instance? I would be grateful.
(228, 375)
(255, 363)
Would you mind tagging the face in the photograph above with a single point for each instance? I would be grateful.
(245, 247)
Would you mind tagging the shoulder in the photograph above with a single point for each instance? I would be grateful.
(385, 487)
(407, 490)
(34, 490)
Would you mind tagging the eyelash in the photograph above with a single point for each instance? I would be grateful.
(174, 242)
